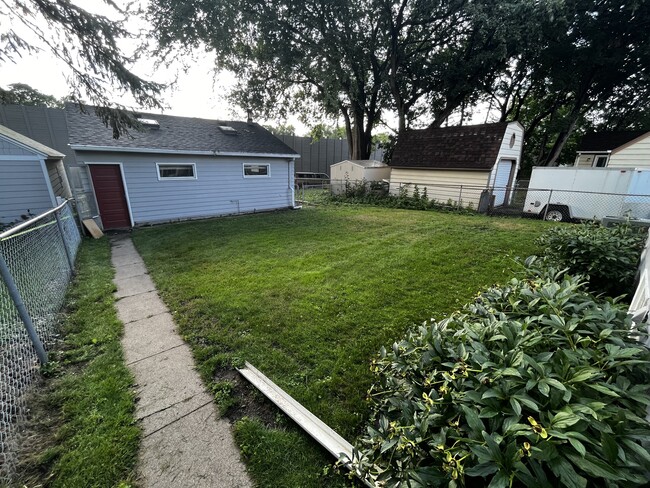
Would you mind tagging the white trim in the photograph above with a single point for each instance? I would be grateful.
(126, 189)
(517, 123)
(596, 156)
(48, 183)
(82, 147)
(176, 178)
(268, 171)
(291, 181)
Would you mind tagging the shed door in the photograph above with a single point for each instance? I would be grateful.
(502, 181)
(111, 198)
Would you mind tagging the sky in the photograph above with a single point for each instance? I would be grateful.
(198, 91)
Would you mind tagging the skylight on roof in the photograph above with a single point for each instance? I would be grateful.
(226, 129)
(149, 123)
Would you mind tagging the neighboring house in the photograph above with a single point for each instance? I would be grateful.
(179, 168)
(31, 177)
(623, 149)
(475, 157)
(354, 171)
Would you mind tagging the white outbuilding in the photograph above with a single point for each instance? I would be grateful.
(458, 164)
(355, 171)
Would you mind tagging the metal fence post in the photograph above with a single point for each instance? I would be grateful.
(490, 203)
(65, 244)
(460, 196)
(548, 203)
(22, 310)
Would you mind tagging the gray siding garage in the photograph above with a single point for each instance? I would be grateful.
(179, 168)
(218, 188)
(31, 177)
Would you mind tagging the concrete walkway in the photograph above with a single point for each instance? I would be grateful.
(184, 442)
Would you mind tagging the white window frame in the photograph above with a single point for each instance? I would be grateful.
(596, 156)
(176, 178)
(268, 170)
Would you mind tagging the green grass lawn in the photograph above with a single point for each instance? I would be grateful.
(81, 427)
(309, 297)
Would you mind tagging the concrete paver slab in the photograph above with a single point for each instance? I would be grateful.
(129, 271)
(166, 417)
(123, 249)
(139, 307)
(165, 379)
(135, 285)
(146, 337)
(167, 463)
(126, 259)
(184, 442)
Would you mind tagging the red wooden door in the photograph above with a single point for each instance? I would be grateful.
(109, 191)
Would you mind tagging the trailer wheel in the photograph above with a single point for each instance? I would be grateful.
(557, 213)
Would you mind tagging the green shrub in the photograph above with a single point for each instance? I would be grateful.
(376, 193)
(536, 383)
(609, 256)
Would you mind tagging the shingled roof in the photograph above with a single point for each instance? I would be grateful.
(460, 147)
(608, 141)
(175, 135)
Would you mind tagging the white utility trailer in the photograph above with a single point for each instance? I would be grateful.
(563, 194)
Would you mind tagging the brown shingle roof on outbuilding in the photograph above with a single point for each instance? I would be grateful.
(460, 147)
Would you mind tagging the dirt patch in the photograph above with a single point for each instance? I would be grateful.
(37, 433)
(249, 401)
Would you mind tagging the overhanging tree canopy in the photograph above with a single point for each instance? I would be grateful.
(87, 43)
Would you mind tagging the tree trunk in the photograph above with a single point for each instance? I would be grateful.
(560, 141)
(441, 116)
(359, 140)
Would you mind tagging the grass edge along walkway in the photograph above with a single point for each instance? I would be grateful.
(88, 435)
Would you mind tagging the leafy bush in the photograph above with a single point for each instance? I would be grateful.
(608, 255)
(536, 383)
(376, 193)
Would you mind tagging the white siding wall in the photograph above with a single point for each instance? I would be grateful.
(507, 152)
(635, 155)
(377, 174)
(220, 188)
(442, 185)
(584, 161)
(339, 173)
(23, 189)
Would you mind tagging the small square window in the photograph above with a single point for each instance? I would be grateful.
(600, 161)
(176, 171)
(255, 170)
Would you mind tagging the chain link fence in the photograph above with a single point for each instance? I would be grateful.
(36, 264)
(565, 205)
(516, 201)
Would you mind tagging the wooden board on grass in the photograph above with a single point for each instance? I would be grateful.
(92, 227)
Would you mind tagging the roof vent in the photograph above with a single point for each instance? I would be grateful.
(151, 123)
(226, 129)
